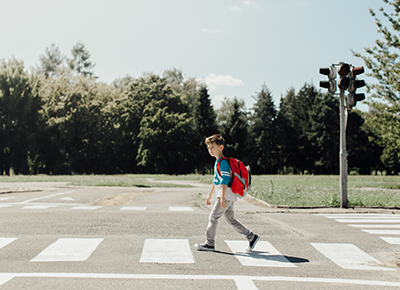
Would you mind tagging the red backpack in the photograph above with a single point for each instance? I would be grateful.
(240, 181)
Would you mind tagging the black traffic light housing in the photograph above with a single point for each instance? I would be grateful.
(354, 84)
(344, 79)
(331, 73)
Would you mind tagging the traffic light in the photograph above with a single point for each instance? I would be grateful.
(354, 84)
(344, 80)
(331, 73)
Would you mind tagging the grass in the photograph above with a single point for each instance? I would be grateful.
(290, 190)
(324, 190)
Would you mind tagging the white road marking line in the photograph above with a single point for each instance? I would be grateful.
(180, 208)
(4, 277)
(391, 240)
(359, 215)
(349, 256)
(7, 198)
(67, 198)
(67, 250)
(167, 251)
(382, 232)
(5, 241)
(47, 196)
(38, 206)
(264, 255)
(385, 221)
(376, 226)
(5, 205)
(86, 207)
(134, 208)
(245, 283)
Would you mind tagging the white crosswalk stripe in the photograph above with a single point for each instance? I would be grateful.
(375, 224)
(171, 251)
(86, 207)
(140, 208)
(382, 232)
(68, 250)
(349, 256)
(380, 226)
(391, 240)
(5, 241)
(264, 255)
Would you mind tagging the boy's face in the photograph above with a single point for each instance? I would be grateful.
(215, 150)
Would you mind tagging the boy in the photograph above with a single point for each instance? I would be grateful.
(225, 199)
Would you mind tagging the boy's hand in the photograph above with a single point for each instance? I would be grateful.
(208, 200)
(223, 202)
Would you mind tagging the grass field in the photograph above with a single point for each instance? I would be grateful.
(289, 190)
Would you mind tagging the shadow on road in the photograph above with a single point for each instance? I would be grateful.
(264, 255)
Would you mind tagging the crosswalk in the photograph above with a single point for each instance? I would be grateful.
(179, 251)
(374, 224)
(47, 206)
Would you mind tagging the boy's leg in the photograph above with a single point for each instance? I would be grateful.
(215, 214)
(242, 229)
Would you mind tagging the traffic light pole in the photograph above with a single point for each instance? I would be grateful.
(348, 82)
(343, 153)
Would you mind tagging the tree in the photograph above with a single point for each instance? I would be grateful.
(234, 126)
(323, 134)
(263, 131)
(160, 127)
(204, 125)
(188, 89)
(80, 125)
(80, 63)
(364, 152)
(18, 118)
(286, 140)
(383, 60)
(50, 61)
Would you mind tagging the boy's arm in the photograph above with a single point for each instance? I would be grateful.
(224, 187)
(208, 200)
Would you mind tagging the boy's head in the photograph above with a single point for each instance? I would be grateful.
(216, 139)
(215, 145)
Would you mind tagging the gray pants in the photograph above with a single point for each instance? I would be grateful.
(229, 212)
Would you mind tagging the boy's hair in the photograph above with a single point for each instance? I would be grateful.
(215, 139)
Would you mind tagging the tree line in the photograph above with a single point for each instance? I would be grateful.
(57, 118)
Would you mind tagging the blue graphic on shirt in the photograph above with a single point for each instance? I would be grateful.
(225, 172)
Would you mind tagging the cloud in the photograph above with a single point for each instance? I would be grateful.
(214, 81)
(206, 30)
(235, 8)
(248, 3)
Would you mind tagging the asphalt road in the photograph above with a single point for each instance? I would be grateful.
(55, 236)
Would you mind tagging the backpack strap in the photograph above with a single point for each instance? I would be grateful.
(218, 165)
(219, 169)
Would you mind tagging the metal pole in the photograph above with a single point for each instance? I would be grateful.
(342, 153)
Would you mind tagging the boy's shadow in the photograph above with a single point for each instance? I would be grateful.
(264, 256)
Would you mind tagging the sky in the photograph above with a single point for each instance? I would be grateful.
(233, 46)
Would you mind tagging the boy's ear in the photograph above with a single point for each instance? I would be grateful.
(221, 147)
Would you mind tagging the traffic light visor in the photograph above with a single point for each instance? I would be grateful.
(358, 70)
(328, 71)
(359, 97)
(359, 84)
